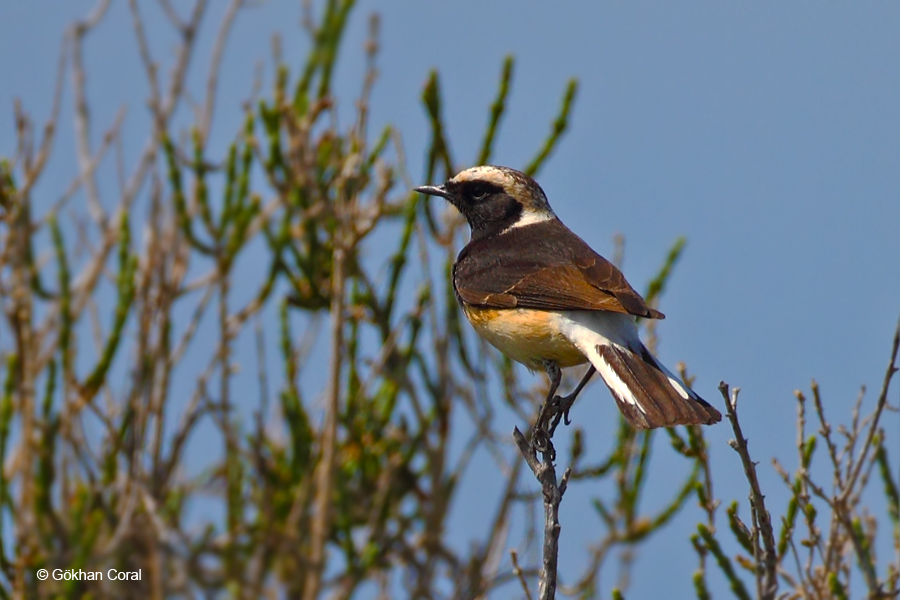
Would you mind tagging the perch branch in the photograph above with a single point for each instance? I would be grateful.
(552, 493)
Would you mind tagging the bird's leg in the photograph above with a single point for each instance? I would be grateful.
(564, 403)
(540, 436)
(555, 375)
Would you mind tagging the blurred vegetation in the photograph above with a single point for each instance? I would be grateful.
(347, 491)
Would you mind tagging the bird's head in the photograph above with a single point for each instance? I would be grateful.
(494, 199)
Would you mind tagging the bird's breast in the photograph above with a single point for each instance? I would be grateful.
(525, 335)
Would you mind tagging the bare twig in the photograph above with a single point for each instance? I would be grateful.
(188, 32)
(82, 115)
(206, 116)
(517, 571)
(171, 14)
(146, 57)
(111, 135)
(552, 493)
(767, 587)
(879, 408)
(321, 524)
(34, 166)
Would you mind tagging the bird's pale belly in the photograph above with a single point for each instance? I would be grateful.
(525, 335)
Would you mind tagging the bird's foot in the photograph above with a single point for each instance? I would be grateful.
(553, 410)
(541, 442)
(560, 410)
(541, 432)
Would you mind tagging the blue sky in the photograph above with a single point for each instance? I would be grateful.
(766, 134)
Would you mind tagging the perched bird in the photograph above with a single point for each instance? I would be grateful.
(539, 294)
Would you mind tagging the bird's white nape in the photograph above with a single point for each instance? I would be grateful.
(530, 218)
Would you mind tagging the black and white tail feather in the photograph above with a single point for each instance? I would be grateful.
(647, 393)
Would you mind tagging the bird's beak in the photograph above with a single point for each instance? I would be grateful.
(433, 190)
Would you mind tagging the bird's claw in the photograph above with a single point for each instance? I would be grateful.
(540, 441)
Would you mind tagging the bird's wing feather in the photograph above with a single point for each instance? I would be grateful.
(536, 267)
(648, 394)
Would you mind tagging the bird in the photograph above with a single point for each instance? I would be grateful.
(542, 296)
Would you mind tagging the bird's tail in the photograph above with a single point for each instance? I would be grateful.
(647, 393)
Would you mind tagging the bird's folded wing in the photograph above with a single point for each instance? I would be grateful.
(533, 274)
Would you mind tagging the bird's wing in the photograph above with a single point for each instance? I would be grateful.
(536, 267)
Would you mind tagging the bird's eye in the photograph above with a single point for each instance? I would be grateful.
(480, 193)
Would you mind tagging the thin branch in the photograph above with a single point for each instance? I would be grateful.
(146, 57)
(214, 69)
(762, 520)
(33, 170)
(82, 114)
(873, 426)
(111, 135)
(552, 493)
(517, 571)
(324, 477)
(188, 32)
(171, 14)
